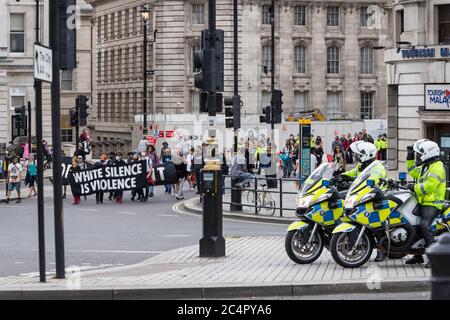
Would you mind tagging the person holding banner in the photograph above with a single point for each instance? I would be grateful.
(167, 157)
(154, 162)
(102, 162)
(75, 168)
(119, 193)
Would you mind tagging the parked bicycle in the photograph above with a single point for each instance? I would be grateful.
(263, 198)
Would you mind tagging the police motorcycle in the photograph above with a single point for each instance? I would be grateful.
(320, 204)
(387, 220)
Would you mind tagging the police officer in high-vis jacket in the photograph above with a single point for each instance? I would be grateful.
(423, 164)
(365, 153)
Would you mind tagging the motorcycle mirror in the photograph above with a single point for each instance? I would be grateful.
(326, 183)
(371, 183)
(402, 176)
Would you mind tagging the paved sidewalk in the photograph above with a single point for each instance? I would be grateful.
(253, 267)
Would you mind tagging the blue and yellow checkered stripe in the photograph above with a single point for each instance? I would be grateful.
(323, 215)
(369, 217)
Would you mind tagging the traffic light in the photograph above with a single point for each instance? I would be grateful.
(211, 103)
(277, 103)
(266, 117)
(83, 106)
(73, 117)
(233, 113)
(211, 62)
(21, 118)
(67, 34)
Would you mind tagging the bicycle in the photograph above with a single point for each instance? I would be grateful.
(264, 200)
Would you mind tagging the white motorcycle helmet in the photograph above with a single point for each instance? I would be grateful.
(365, 151)
(426, 149)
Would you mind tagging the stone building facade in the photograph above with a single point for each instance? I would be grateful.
(324, 59)
(418, 77)
(17, 36)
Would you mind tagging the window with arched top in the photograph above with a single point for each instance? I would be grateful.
(333, 60)
(300, 59)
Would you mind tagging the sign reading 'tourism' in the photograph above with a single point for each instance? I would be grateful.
(437, 97)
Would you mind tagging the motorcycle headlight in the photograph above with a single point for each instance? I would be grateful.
(304, 202)
(350, 202)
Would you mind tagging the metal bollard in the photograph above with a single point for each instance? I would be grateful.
(439, 255)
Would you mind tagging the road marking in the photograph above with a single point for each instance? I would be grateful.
(167, 215)
(170, 235)
(124, 212)
(90, 210)
(114, 251)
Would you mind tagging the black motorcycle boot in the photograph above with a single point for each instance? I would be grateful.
(381, 256)
(415, 260)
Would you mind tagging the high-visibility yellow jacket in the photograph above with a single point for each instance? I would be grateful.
(353, 173)
(431, 183)
(313, 142)
(381, 144)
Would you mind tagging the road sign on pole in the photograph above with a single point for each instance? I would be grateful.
(43, 63)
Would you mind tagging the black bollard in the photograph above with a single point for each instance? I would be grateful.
(439, 255)
(212, 244)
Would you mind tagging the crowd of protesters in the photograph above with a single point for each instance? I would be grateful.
(188, 161)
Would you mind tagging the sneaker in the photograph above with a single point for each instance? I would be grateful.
(151, 195)
(18, 201)
(6, 200)
(428, 265)
(97, 202)
(190, 189)
(381, 256)
(64, 196)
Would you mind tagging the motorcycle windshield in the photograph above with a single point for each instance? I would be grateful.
(314, 181)
(369, 172)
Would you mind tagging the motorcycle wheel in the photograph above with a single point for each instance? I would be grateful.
(298, 251)
(343, 254)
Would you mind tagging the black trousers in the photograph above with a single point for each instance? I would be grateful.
(427, 214)
(99, 196)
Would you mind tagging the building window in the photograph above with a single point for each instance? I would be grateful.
(195, 102)
(300, 16)
(66, 129)
(113, 25)
(67, 80)
(195, 48)
(366, 60)
(365, 15)
(300, 59)
(333, 60)
(99, 106)
(267, 58)
(333, 105)
(266, 99)
(17, 33)
(17, 101)
(266, 14)
(333, 16)
(444, 24)
(366, 105)
(300, 102)
(198, 13)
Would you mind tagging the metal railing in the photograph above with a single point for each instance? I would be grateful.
(257, 189)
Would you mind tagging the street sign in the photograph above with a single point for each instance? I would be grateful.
(43, 66)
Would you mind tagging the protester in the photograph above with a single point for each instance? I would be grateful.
(318, 150)
(366, 137)
(143, 144)
(75, 168)
(180, 167)
(286, 157)
(339, 159)
(190, 168)
(119, 193)
(102, 162)
(198, 165)
(111, 161)
(30, 178)
(47, 154)
(166, 158)
(137, 191)
(224, 168)
(14, 179)
(154, 160)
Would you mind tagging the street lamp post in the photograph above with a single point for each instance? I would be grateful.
(145, 13)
